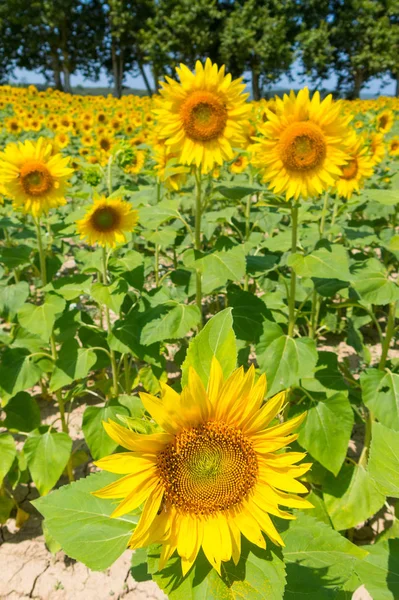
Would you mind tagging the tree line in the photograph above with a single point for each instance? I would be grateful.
(355, 40)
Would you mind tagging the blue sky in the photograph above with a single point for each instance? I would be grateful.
(375, 87)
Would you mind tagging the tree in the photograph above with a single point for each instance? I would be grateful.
(259, 37)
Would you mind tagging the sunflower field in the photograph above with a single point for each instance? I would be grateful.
(199, 300)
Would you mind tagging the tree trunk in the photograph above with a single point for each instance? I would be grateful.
(397, 85)
(67, 79)
(56, 71)
(357, 85)
(145, 78)
(117, 68)
(255, 85)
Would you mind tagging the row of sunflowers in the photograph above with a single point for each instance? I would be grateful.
(151, 246)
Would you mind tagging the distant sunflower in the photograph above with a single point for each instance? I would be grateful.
(239, 164)
(107, 221)
(385, 121)
(303, 146)
(355, 171)
(394, 146)
(377, 147)
(33, 176)
(204, 116)
(212, 474)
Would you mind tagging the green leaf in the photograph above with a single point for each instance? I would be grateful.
(380, 391)
(125, 338)
(8, 452)
(319, 560)
(73, 363)
(151, 217)
(379, 571)
(12, 297)
(71, 287)
(22, 413)
(371, 281)
(327, 377)
(327, 430)
(219, 267)
(18, 371)
(81, 523)
(139, 568)
(99, 442)
(249, 313)
(40, 320)
(285, 360)
(216, 339)
(259, 575)
(386, 197)
(324, 263)
(384, 459)
(47, 455)
(6, 506)
(175, 324)
(351, 497)
(15, 256)
(111, 295)
(237, 192)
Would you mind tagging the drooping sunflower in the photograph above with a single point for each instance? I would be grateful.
(303, 146)
(204, 116)
(356, 170)
(394, 146)
(107, 221)
(385, 121)
(33, 176)
(213, 473)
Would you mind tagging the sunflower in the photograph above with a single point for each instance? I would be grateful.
(212, 474)
(106, 221)
(358, 168)
(137, 163)
(239, 164)
(385, 121)
(303, 145)
(203, 116)
(394, 146)
(62, 139)
(33, 176)
(377, 147)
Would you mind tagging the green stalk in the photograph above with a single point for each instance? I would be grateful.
(247, 232)
(197, 239)
(126, 368)
(388, 335)
(314, 317)
(54, 353)
(291, 298)
(114, 367)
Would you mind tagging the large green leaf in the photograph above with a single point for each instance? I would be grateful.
(381, 395)
(386, 197)
(371, 281)
(99, 442)
(15, 256)
(18, 372)
(71, 287)
(8, 452)
(73, 363)
(174, 324)
(47, 455)
(384, 459)
(331, 263)
(22, 413)
(216, 339)
(285, 360)
(111, 295)
(237, 192)
(81, 523)
(40, 319)
(249, 312)
(319, 560)
(12, 297)
(259, 575)
(327, 430)
(125, 338)
(352, 497)
(152, 217)
(219, 267)
(379, 572)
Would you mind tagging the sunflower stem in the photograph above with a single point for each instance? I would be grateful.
(247, 231)
(197, 244)
(294, 241)
(314, 317)
(388, 335)
(109, 175)
(42, 257)
(114, 367)
(54, 353)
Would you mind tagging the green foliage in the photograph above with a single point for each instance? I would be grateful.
(37, 450)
